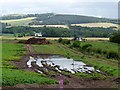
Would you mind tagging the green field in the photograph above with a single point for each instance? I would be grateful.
(19, 22)
(12, 76)
(109, 66)
(54, 49)
(13, 51)
(105, 46)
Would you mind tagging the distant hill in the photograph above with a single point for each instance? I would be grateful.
(14, 16)
(51, 18)
(55, 19)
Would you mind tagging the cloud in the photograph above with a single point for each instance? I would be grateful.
(104, 8)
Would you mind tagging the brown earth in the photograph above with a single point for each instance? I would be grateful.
(71, 81)
(35, 40)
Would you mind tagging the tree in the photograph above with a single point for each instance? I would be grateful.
(115, 38)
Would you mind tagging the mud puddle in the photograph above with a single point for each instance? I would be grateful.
(61, 63)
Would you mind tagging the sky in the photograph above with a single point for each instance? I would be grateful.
(98, 8)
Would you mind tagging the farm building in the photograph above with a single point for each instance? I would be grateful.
(38, 34)
(79, 39)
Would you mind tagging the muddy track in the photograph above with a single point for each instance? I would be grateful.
(72, 81)
(30, 49)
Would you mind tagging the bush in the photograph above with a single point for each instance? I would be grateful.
(65, 41)
(76, 44)
(60, 40)
(88, 49)
(99, 51)
(115, 38)
(112, 55)
(86, 46)
(104, 52)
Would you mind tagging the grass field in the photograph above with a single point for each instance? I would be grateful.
(12, 76)
(107, 65)
(11, 52)
(55, 49)
(105, 46)
(19, 22)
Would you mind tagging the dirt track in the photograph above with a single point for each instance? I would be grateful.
(73, 82)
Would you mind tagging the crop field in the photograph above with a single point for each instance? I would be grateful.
(97, 39)
(19, 22)
(63, 26)
(105, 25)
(10, 74)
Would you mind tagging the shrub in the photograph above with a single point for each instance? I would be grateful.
(99, 51)
(84, 47)
(76, 44)
(60, 40)
(88, 49)
(115, 38)
(65, 41)
(104, 52)
(112, 55)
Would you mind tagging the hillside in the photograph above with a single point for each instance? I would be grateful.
(18, 22)
(52, 19)
(14, 16)
(69, 19)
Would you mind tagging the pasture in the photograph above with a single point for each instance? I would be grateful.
(107, 65)
(19, 22)
(103, 45)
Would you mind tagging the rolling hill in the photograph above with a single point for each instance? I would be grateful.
(51, 18)
(55, 19)
(18, 22)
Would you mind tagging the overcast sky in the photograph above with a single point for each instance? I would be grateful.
(99, 8)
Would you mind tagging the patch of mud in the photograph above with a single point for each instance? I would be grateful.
(69, 81)
(117, 80)
(61, 63)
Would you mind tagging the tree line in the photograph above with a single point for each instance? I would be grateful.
(73, 31)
